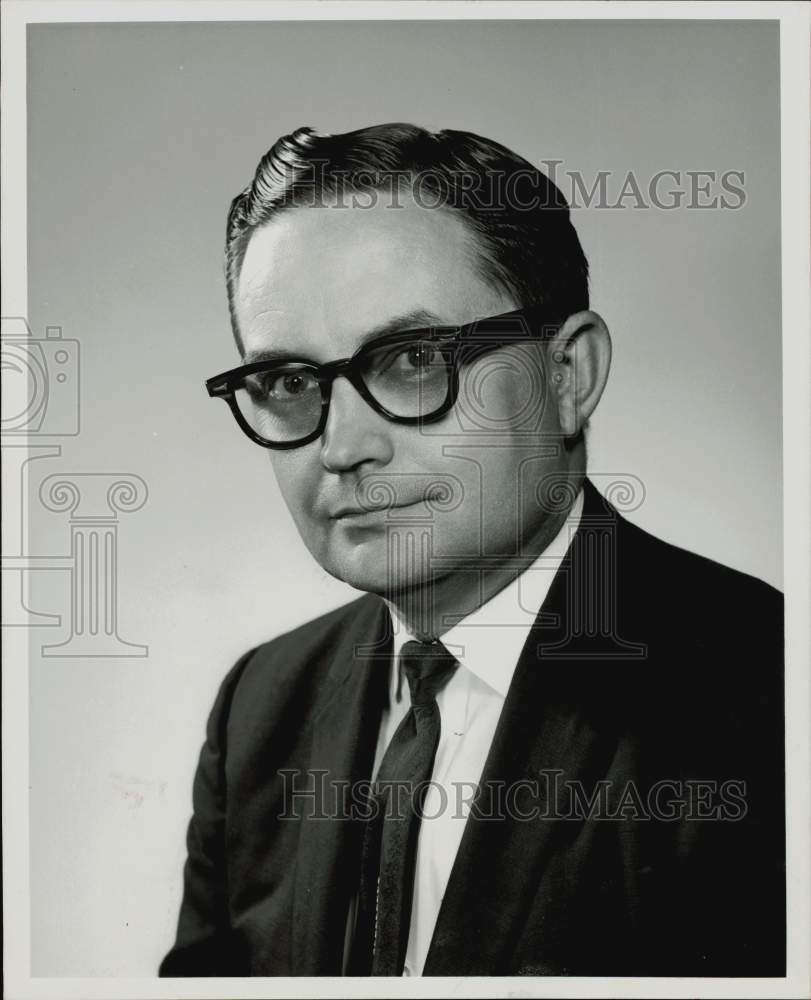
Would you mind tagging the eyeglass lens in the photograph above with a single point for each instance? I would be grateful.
(408, 379)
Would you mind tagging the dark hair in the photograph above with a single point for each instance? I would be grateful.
(526, 241)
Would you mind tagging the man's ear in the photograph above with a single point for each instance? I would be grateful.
(579, 358)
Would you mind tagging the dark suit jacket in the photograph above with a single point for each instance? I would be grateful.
(647, 664)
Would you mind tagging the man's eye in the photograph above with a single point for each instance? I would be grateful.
(415, 358)
(292, 385)
(421, 355)
(284, 387)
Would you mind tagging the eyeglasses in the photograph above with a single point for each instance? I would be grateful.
(410, 377)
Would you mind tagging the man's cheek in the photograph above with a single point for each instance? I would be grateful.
(311, 528)
(298, 489)
(459, 532)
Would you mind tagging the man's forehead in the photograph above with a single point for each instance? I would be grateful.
(322, 241)
(326, 277)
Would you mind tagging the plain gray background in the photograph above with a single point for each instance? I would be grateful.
(139, 136)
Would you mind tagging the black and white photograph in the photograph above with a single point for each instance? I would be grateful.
(406, 556)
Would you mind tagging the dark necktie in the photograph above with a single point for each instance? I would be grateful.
(390, 837)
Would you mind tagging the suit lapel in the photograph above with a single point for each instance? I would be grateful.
(344, 738)
(556, 718)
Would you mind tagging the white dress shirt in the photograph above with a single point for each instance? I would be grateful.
(487, 644)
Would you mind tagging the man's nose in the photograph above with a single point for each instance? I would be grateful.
(354, 433)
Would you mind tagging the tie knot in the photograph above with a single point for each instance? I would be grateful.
(428, 667)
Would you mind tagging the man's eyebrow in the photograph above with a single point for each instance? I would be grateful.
(417, 319)
(412, 320)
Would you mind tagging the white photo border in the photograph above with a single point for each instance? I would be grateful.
(795, 21)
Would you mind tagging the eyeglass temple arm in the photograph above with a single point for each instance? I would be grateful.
(218, 386)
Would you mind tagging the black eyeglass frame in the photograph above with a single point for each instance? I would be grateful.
(459, 344)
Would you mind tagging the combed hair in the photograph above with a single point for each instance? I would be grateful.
(526, 242)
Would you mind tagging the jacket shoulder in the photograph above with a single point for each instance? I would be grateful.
(287, 674)
(708, 693)
(708, 591)
(317, 629)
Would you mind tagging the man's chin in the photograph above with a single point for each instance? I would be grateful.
(374, 580)
(372, 573)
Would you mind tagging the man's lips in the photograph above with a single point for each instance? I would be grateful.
(350, 512)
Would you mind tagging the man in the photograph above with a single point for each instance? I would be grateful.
(544, 742)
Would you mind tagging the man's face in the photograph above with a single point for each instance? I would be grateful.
(319, 281)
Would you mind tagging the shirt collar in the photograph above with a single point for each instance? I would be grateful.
(489, 640)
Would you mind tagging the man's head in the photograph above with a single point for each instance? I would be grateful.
(339, 239)
(525, 243)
